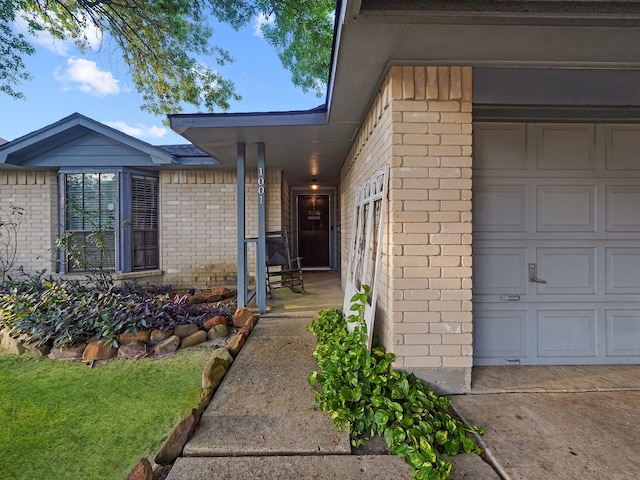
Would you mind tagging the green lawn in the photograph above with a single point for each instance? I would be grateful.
(64, 420)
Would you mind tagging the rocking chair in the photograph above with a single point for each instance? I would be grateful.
(282, 270)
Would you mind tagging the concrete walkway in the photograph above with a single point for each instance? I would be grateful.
(263, 422)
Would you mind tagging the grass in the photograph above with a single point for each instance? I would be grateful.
(64, 420)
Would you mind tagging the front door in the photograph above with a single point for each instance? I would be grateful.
(313, 230)
(556, 244)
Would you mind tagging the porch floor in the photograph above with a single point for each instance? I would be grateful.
(322, 290)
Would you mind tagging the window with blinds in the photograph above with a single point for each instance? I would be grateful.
(90, 213)
(111, 221)
(144, 222)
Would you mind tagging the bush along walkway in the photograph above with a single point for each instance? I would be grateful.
(366, 397)
(213, 373)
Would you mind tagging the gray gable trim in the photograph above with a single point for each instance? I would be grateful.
(37, 148)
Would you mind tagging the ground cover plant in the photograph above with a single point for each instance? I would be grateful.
(64, 420)
(366, 397)
(59, 313)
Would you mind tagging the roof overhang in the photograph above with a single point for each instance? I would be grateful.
(373, 35)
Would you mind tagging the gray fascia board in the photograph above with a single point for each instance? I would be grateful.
(354, 8)
(181, 122)
(195, 161)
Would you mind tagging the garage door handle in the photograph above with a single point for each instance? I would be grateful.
(511, 298)
(533, 274)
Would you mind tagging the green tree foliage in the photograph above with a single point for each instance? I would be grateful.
(300, 30)
(166, 43)
(12, 47)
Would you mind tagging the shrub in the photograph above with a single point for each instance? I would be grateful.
(62, 312)
(366, 397)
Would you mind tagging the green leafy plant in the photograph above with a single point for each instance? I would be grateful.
(367, 397)
(58, 313)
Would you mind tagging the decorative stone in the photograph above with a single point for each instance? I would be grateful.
(210, 296)
(212, 322)
(222, 292)
(244, 331)
(235, 344)
(142, 336)
(218, 331)
(41, 349)
(68, 353)
(195, 339)
(158, 336)
(220, 356)
(241, 316)
(205, 398)
(141, 471)
(98, 351)
(134, 349)
(250, 323)
(168, 346)
(175, 442)
(211, 378)
(10, 344)
(182, 331)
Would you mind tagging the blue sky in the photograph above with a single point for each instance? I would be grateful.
(97, 85)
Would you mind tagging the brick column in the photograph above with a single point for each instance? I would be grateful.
(430, 223)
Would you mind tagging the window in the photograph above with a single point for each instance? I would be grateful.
(144, 222)
(110, 219)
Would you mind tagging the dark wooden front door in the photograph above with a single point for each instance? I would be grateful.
(313, 230)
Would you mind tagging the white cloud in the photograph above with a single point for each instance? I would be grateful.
(260, 21)
(85, 75)
(91, 38)
(138, 130)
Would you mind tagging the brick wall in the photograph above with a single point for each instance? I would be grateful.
(371, 151)
(36, 193)
(198, 221)
(421, 125)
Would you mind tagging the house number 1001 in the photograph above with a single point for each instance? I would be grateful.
(260, 186)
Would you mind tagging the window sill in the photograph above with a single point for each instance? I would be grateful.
(137, 274)
(118, 277)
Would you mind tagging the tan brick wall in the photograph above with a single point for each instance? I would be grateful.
(371, 151)
(421, 126)
(198, 221)
(36, 193)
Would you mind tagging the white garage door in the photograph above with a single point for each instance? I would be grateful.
(556, 243)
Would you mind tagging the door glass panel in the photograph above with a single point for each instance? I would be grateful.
(313, 230)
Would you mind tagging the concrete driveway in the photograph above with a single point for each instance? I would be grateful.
(565, 423)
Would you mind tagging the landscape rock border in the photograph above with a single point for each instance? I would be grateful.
(145, 343)
(213, 372)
